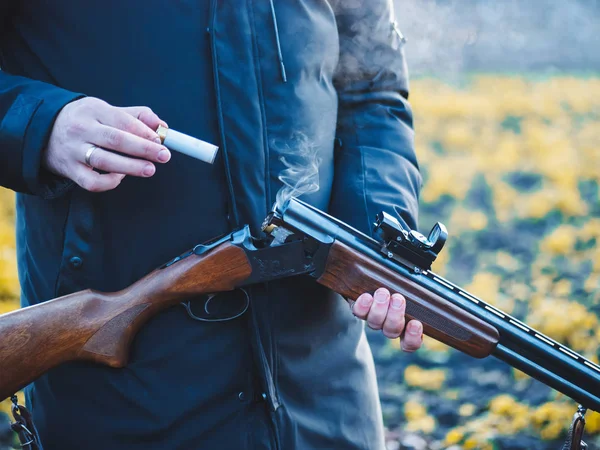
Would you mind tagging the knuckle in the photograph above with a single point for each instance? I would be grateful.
(390, 334)
(358, 312)
(145, 111)
(92, 101)
(378, 316)
(113, 137)
(394, 327)
(91, 104)
(409, 346)
(89, 184)
(149, 151)
(75, 129)
(138, 167)
(95, 187)
(81, 181)
(129, 125)
(374, 325)
(363, 297)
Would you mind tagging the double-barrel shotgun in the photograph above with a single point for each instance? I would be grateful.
(298, 239)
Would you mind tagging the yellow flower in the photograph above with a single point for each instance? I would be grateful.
(537, 205)
(451, 178)
(6, 405)
(562, 288)
(551, 431)
(552, 418)
(414, 410)
(485, 286)
(561, 241)
(592, 422)
(592, 283)
(519, 375)
(8, 306)
(505, 198)
(573, 328)
(428, 379)
(590, 230)
(9, 282)
(466, 409)
(454, 436)
(502, 404)
(458, 135)
(439, 265)
(417, 418)
(463, 219)
(471, 443)
(507, 261)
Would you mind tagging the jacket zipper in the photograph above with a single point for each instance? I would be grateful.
(278, 42)
(234, 219)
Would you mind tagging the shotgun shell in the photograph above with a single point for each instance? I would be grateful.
(188, 145)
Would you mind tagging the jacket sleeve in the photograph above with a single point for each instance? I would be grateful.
(376, 167)
(28, 109)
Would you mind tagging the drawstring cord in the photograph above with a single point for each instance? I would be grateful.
(279, 54)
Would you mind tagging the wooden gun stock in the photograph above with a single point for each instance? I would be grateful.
(350, 273)
(99, 327)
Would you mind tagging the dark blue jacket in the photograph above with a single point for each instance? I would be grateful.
(295, 371)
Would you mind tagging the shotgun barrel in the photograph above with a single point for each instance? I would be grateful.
(515, 343)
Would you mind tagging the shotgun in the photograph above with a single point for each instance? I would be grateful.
(298, 239)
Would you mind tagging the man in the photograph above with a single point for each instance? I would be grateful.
(101, 203)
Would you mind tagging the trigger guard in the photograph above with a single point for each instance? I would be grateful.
(188, 307)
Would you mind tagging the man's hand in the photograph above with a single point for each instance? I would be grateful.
(386, 313)
(90, 123)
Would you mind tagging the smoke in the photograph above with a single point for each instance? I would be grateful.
(301, 174)
(449, 37)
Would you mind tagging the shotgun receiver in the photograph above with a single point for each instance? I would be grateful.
(299, 239)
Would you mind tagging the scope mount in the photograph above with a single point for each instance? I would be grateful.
(409, 247)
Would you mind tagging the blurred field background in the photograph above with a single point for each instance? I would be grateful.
(506, 97)
(512, 167)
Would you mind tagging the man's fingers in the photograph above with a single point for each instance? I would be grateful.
(92, 181)
(379, 308)
(386, 313)
(394, 321)
(413, 336)
(120, 119)
(130, 144)
(146, 115)
(111, 162)
(362, 305)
